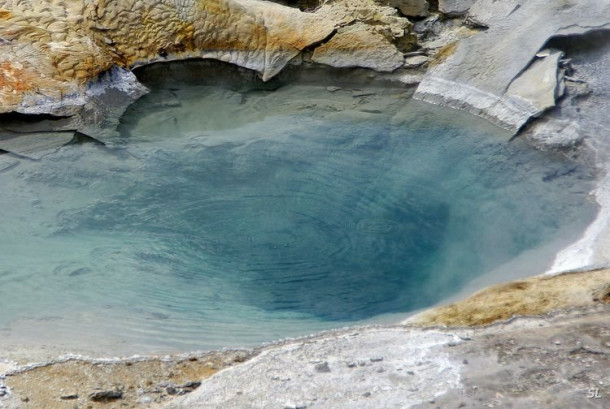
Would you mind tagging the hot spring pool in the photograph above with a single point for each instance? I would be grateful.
(226, 216)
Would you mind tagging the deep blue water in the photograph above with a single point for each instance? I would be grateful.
(225, 217)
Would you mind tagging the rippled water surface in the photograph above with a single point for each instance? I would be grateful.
(226, 216)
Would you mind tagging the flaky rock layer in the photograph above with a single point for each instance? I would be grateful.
(51, 49)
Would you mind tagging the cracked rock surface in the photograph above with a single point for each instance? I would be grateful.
(476, 74)
(552, 362)
(52, 51)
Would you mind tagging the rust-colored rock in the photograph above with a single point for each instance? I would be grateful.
(534, 296)
(51, 50)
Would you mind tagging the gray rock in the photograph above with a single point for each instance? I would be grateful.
(539, 84)
(454, 7)
(106, 396)
(411, 8)
(576, 88)
(555, 133)
(359, 45)
(7, 162)
(35, 145)
(322, 367)
(475, 74)
(343, 386)
(362, 93)
(415, 61)
(410, 79)
(4, 390)
(442, 375)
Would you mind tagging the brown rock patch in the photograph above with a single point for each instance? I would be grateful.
(534, 296)
(90, 384)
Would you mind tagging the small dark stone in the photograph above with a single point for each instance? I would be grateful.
(105, 396)
(359, 93)
(192, 384)
(172, 391)
(377, 359)
(410, 373)
(465, 361)
(323, 367)
(69, 397)
(366, 394)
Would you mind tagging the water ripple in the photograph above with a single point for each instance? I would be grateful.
(272, 226)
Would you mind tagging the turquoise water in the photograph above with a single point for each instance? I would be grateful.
(228, 216)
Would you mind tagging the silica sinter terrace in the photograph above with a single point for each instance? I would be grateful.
(228, 216)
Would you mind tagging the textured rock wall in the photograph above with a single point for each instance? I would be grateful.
(49, 49)
(477, 74)
(46, 51)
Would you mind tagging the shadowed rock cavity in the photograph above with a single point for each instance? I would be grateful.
(303, 5)
(582, 112)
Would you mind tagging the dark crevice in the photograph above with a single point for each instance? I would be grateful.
(579, 42)
(197, 71)
(303, 5)
(14, 122)
(326, 39)
(473, 24)
(82, 138)
(19, 117)
(16, 155)
(517, 7)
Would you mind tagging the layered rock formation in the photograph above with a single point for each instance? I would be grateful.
(499, 73)
(53, 51)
